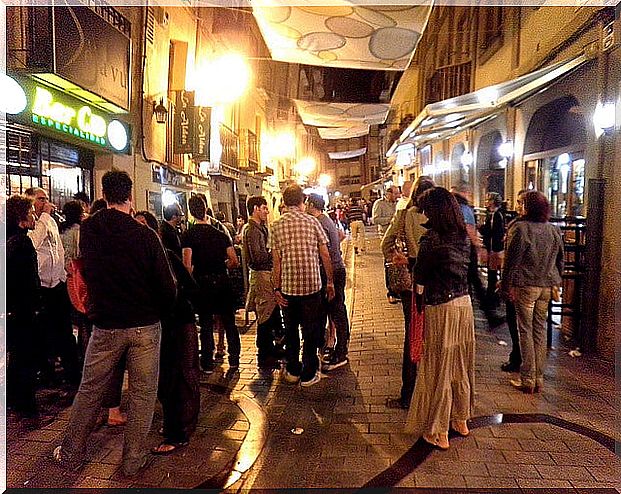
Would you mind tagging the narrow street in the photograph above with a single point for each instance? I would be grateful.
(257, 432)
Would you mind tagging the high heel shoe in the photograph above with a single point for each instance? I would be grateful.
(460, 426)
(524, 388)
(439, 441)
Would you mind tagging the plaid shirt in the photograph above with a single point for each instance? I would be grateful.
(297, 237)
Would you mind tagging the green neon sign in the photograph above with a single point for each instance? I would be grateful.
(56, 111)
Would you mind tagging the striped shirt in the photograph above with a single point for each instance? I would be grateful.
(355, 213)
(297, 237)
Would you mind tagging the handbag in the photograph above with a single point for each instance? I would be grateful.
(417, 331)
(399, 278)
(76, 286)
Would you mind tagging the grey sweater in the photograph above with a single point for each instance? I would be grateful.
(534, 255)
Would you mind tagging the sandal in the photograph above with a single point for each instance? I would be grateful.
(439, 441)
(167, 448)
(460, 426)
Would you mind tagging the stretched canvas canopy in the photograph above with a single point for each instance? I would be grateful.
(345, 155)
(321, 114)
(343, 34)
(343, 132)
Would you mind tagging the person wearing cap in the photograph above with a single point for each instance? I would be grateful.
(337, 312)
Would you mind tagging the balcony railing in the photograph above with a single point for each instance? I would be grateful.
(448, 82)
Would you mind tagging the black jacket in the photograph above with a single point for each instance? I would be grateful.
(442, 266)
(493, 232)
(22, 275)
(170, 237)
(255, 248)
(187, 294)
(127, 274)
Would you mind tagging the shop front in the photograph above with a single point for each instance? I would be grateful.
(53, 139)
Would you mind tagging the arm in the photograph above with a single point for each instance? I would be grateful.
(257, 251)
(396, 228)
(424, 260)
(276, 278)
(327, 266)
(560, 258)
(165, 281)
(231, 262)
(39, 234)
(513, 254)
(375, 212)
(187, 259)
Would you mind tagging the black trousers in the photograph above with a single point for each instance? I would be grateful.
(337, 312)
(179, 387)
(22, 364)
(305, 312)
(56, 333)
(266, 333)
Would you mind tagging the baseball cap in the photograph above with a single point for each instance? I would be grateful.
(316, 201)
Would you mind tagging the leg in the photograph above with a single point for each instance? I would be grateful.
(232, 336)
(492, 282)
(312, 329)
(104, 351)
(205, 318)
(540, 316)
(515, 357)
(67, 347)
(524, 307)
(292, 319)
(143, 360)
(408, 368)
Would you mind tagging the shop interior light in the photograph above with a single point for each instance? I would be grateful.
(160, 111)
(168, 198)
(563, 159)
(467, 159)
(604, 117)
(12, 97)
(337, 193)
(506, 149)
(325, 180)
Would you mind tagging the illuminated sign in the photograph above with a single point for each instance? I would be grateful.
(55, 111)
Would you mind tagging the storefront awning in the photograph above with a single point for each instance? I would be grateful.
(440, 120)
(341, 114)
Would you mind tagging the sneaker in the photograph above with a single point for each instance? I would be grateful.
(313, 380)
(334, 363)
(290, 378)
(328, 355)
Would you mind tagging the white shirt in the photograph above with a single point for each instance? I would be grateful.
(50, 252)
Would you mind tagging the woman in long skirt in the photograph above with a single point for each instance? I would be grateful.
(444, 393)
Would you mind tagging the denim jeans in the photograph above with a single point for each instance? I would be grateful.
(531, 307)
(106, 347)
(338, 314)
(304, 311)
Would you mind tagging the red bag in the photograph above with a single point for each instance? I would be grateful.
(76, 286)
(417, 326)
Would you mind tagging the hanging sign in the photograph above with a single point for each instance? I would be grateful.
(202, 132)
(184, 122)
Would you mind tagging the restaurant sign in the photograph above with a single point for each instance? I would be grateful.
(55, 112)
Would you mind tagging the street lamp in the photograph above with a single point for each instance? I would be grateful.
(306, 166)
(325, 180)
(160, 111)
(222, 80)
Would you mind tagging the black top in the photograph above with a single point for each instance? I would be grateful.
(22, 274)
(442, 266)
(208, 249)
(170, 237)
(493, 231)
(127, 274)
(188, 291)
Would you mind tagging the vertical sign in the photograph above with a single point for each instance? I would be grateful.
(202, 133)
(184, 122)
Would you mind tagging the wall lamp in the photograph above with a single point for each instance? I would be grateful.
(160, 111)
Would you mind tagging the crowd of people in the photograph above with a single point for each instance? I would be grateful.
(148, 283)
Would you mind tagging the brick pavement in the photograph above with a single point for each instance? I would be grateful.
(350, 439)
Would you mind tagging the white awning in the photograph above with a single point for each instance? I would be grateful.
(342, 34)
(321, 114)
(343, 132)
(345, 155)
(440, 120)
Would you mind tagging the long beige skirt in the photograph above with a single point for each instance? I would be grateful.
(444, 388)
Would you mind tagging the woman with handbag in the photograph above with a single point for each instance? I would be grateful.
(207, 254)
(533, 268)
(400, 247)
(444, 391)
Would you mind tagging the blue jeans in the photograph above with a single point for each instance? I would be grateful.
(106, 347)
(304, 311)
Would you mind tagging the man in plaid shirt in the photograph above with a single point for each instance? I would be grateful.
(298, 242)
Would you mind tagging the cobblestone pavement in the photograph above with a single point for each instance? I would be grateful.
(345, 437)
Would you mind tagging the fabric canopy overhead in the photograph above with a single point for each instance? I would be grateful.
(379, 37)
(345, 155)
(440, 120)
(343, 132)
(341, 114)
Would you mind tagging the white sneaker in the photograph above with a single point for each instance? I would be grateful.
(290, 378)
(314, 380)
